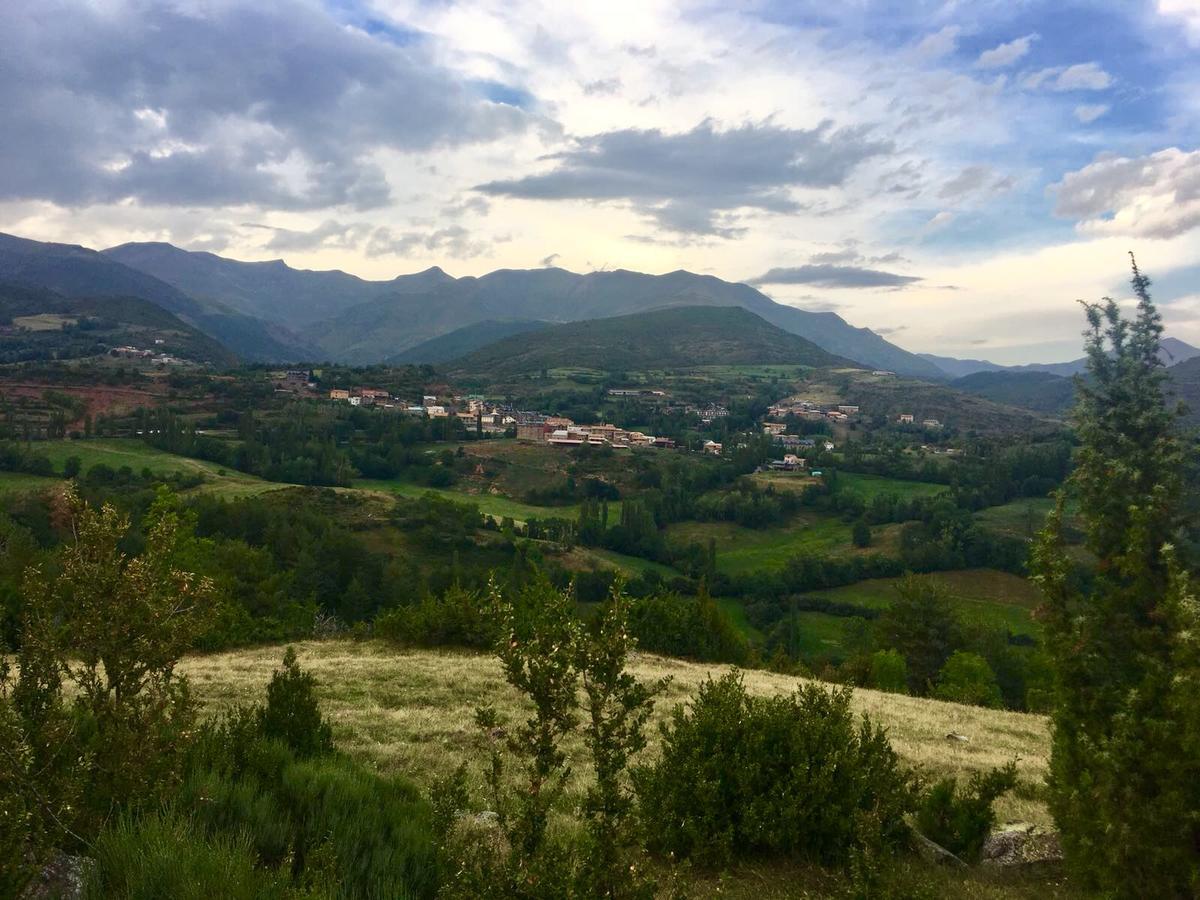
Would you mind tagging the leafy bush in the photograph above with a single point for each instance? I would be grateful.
(164, 856)
(783, 775)
(967, 678)
(292, 715)
(960, 820)
(889, 672)
(458, 618)
(690, 627)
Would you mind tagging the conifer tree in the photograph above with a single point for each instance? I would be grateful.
(1125, 773)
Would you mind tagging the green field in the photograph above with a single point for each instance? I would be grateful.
(870, 486)
(1020, 518)
(489, 504)
(118, 452)
(17, 482)
(982, 595)
(742, 551)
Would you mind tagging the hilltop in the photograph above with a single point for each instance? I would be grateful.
(678, 337)
(463, 340)
(1042, 392)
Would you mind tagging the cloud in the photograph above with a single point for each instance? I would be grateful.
(1188, 11)
(684, 181)
(831, 276)
(940, 43)
(1155, 196)
(329, 233)
(454, 241)
(1080, 77)
(602, 86)
(549, 261)
(1005, 54)
(895, 329)
(1090, 112)
(219, 104)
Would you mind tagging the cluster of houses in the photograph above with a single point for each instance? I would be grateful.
(811, 411)
(910, 419)
(558, 431)
(155, 356)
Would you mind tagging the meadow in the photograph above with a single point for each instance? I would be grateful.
(871, 486)
(412, 712)
(494, 505)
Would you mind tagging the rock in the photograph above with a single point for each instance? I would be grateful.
(62, 878)
(935, 853)
(486, 819)
(955, 736)
(1020, 844)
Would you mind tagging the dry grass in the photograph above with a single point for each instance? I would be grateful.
(412, 711)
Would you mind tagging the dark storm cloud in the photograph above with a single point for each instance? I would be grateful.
(683, 181)
(329, 233)
(831, 276)
(218, 102)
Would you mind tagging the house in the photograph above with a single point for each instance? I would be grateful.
(774, 428)
(355, 401)
(828, 446)
(374, 394)
(339, 394)
(713, 447)
(664, 443)
(791, 459)
(533, 431)
(848, 410)
(436, 412)
(905, 418)
(882, 372)
(789, 441)
(931, 423)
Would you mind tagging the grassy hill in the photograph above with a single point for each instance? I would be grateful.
(677, 337)
(1042, 392)
(464, 340)
(50, 325)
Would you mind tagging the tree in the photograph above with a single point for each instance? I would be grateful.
(921, 624)
(889, 672)
(1125, 768)
(967, 678)
(861, 533)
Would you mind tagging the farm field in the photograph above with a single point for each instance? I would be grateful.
(1021, 518)
(986, 595)
(871, 486)
(489, 504)
(412, 711)
(745, 550)
(18, 482)
(118, 452)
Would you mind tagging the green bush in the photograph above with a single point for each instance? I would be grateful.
(458, 618)
(164, 856)
(960, 820)
(967, 678)
(292, 714)
(689, 627)
(782, 775)
(889, 671)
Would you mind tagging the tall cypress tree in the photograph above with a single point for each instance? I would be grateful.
(1125, 773)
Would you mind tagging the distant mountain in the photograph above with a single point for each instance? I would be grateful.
(462, 341)
(354, 320)
(1185, 386)
(1172, 352)
(93, 326)
(674, 338)
(75, 271)
(1039, 391)
(267, 290)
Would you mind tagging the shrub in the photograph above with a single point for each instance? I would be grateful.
(781, 775)
(889, 672)
(960, 820)
(967, 678)
(292, 715)
(458, 618)
(690, 627)
(164, 856)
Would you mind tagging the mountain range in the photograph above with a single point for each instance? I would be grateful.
(1172, 351)
(268, 311)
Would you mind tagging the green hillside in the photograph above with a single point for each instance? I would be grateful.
(1040, 391)
(464, 340)
(678, 337)
(43, 324)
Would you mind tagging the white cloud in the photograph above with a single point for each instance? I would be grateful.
(1005, 54)
(1090, 112)
(1186, 10)
(1155, 196)
(940, 43)
(1087, 76)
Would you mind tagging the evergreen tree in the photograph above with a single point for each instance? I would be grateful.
(1125, 773)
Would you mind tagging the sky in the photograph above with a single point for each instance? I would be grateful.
(953, 175)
